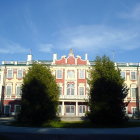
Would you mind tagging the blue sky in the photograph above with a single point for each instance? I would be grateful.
(96, 27)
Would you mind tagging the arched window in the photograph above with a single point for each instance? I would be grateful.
(70, 89)
(70, 74)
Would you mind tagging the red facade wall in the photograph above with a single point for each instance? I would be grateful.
(61, 61)
(71, 60)
(129, 107)
(12, 103)
(81, 62)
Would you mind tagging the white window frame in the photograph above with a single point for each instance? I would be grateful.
(18, 73)
(11, 90)
(124, 75)
(80, 90)
(83, 109)
(69, 113)
(69, 74)
(135, 75)
(9, 109)
(7, 76)
(20, 90)
(135, 92)
(71, 88)
(59, 74)
(133, 110)
(82, 74)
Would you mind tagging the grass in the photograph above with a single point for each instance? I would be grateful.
(57, 124)
(68, 124)
(76, 124)
(86, 124)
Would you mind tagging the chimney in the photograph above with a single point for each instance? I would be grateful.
(54, 57)
(29, 58)
(86, 56)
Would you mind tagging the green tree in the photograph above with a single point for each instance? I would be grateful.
(39, 96)
(107, 93)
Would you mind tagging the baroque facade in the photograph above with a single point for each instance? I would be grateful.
(71, 75)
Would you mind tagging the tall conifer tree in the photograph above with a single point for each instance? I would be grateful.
(39, 96)
(107, 93)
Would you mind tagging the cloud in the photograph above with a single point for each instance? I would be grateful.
(98, 38)
(29, 21)
(46, 48)
(134, 13)
(10, 47)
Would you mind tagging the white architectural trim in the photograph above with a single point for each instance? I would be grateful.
(9, 69)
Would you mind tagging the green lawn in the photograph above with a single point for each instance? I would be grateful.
(86, 124)
(77, 124)
(68, 124)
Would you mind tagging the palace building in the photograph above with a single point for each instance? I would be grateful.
(71, 74)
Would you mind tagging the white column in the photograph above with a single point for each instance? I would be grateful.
(75, 83)
(65, 83)
(76, 108)
(63, 108)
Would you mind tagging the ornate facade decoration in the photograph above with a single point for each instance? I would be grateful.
(71, 75)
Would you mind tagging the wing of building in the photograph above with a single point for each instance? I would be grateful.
(71, 74)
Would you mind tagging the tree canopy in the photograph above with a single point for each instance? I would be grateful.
(107, 93)
(39, 95)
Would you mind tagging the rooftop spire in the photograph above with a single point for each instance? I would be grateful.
(71, 52)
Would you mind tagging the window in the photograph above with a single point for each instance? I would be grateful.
(20, 74)
(59, 109)
(7, 109)
(123, 74)
(133, 75)
(70, 89)
(9, 74)
(82, 108)
(60, 90)
(134, 110)
(70, 109)
(70, 74)
(8, 90)
(81, 90)
(59, 74)
(133, 92)
(81, 74)
(17, 109)
(18, 91)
